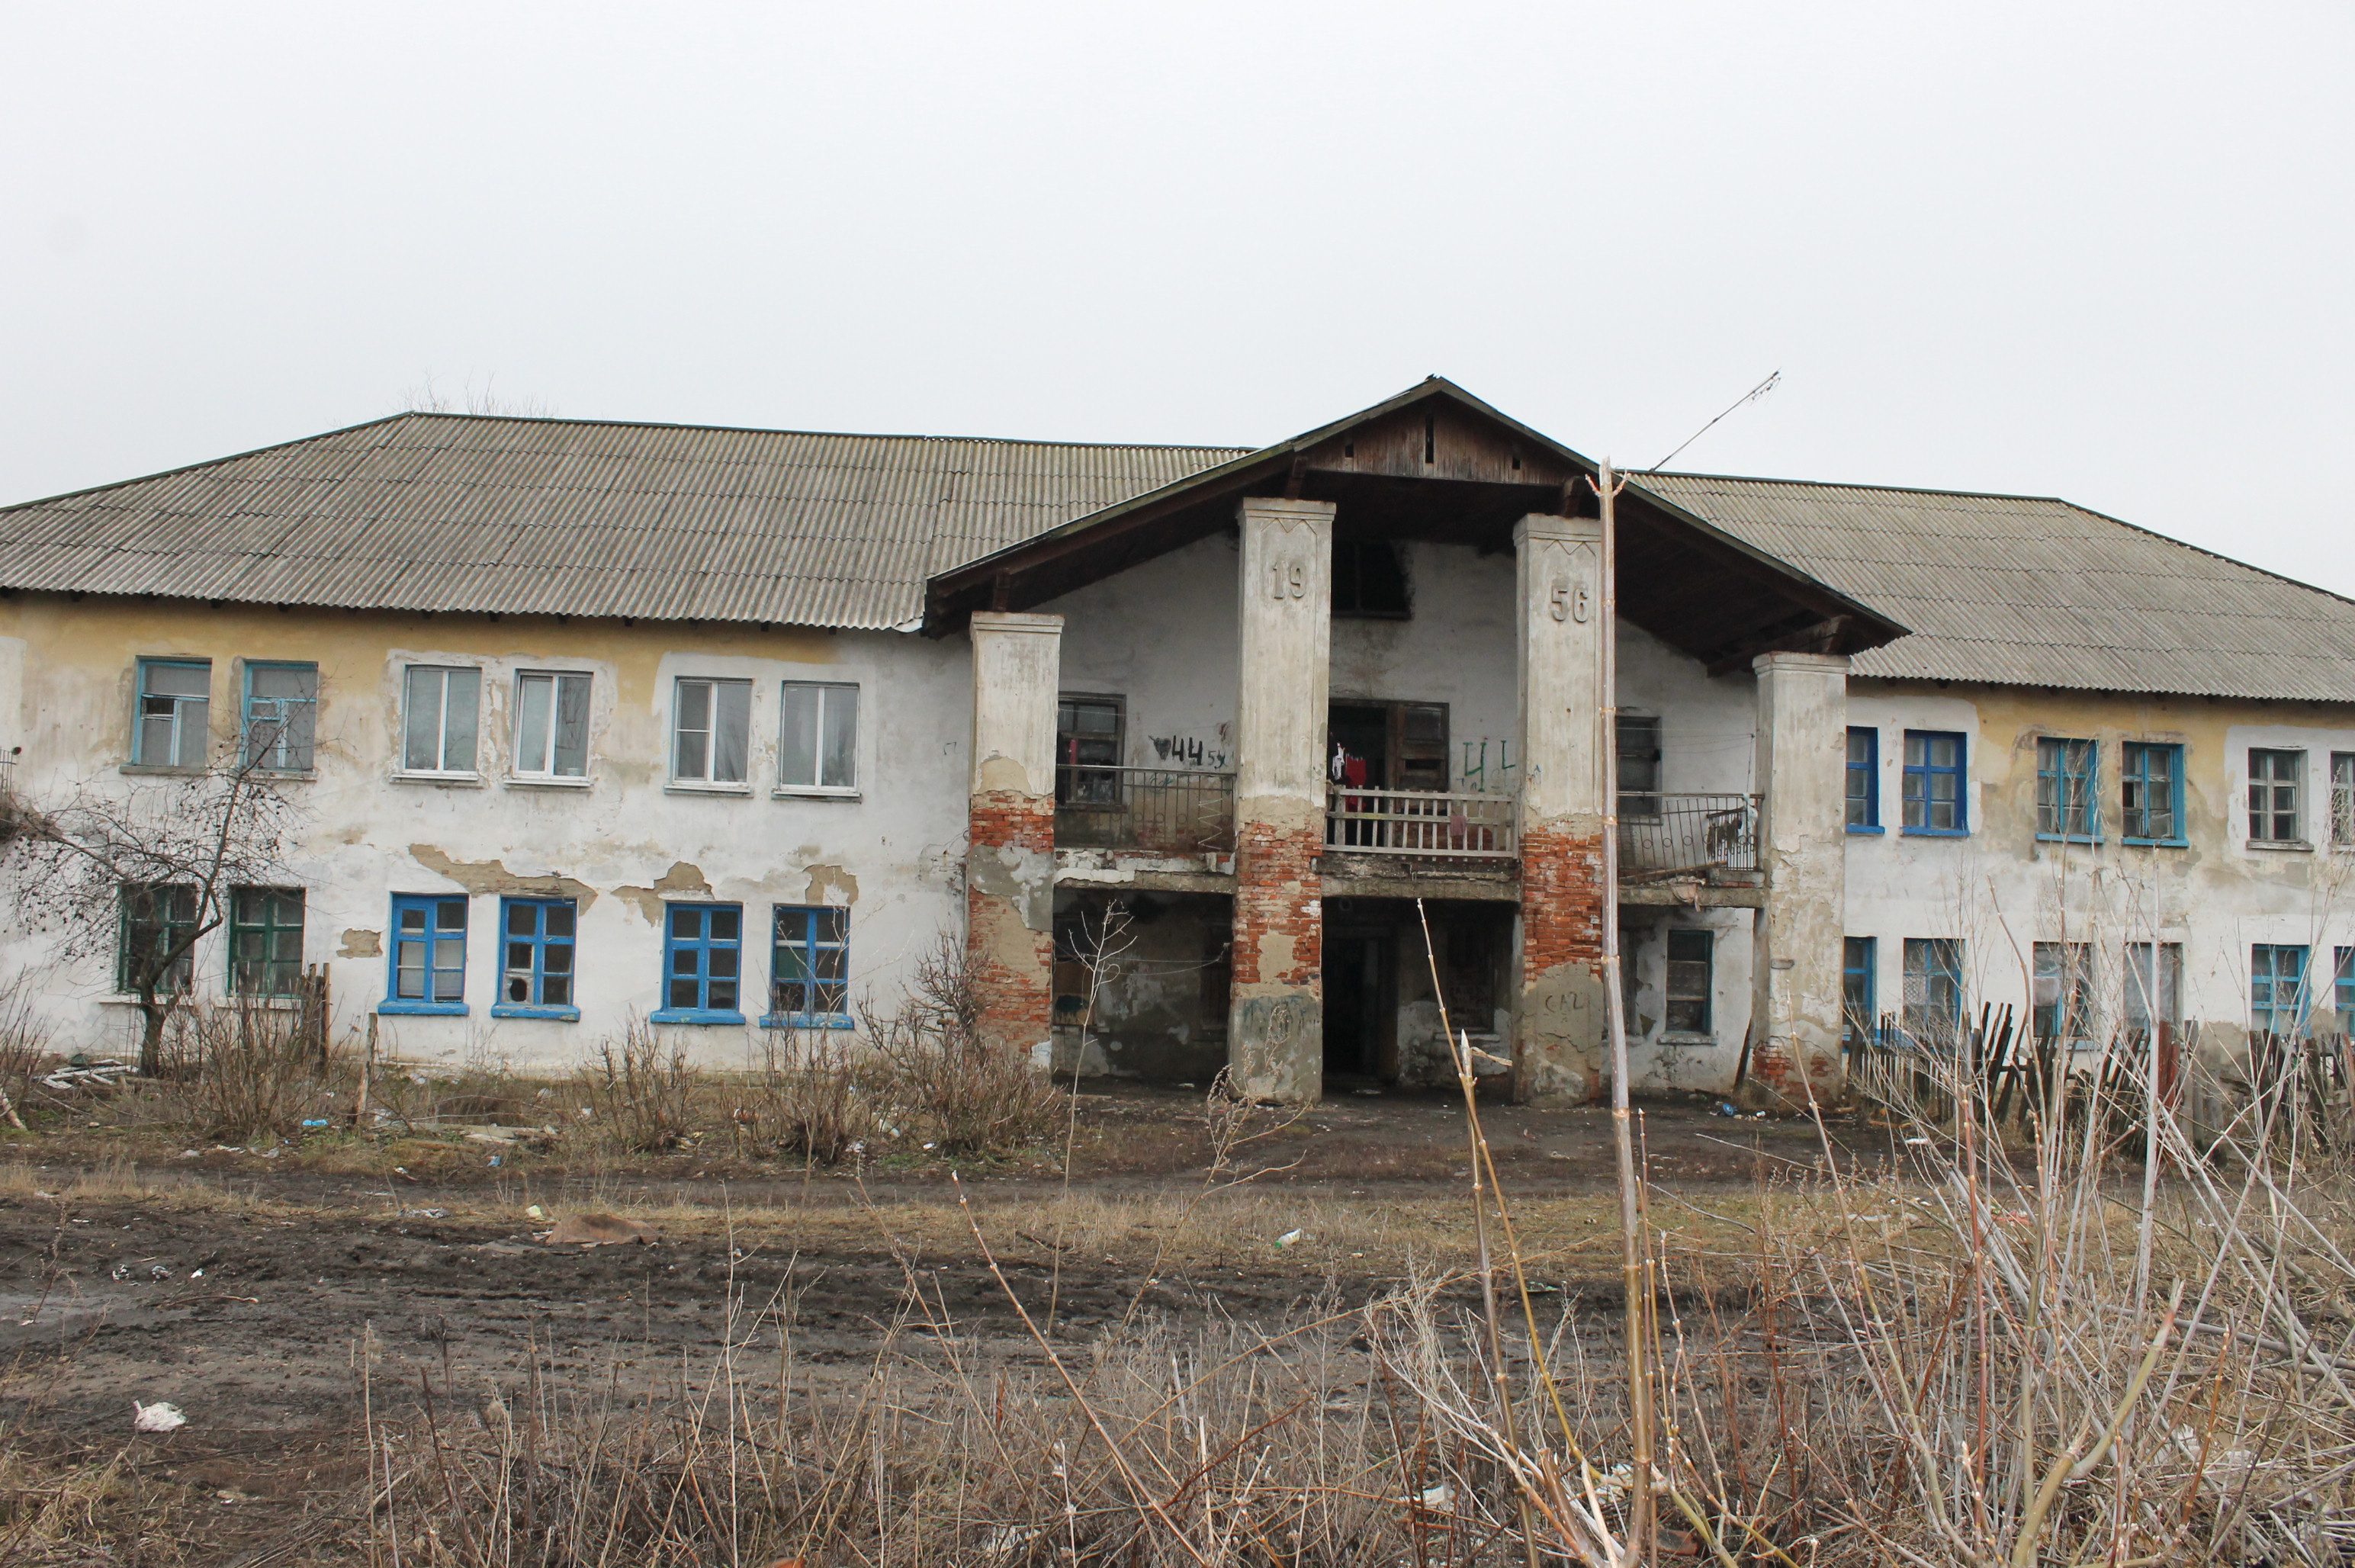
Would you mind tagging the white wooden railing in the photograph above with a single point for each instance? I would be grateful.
(1421, 822)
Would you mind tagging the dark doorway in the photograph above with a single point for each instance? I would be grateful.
(1388, 745)
(1358, 1001)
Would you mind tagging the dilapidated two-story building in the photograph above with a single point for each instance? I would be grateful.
(1208, 758)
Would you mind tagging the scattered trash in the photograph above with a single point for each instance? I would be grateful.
(1728, 1108)
(534, 1212)
(1368, 1094)
(600, 1230)
(1441, 1497)
(38, 1193)
(1002, 1538)
(1289, 1237)
(1917, 1143)
(317, 1122)
(159, 1416)
(120, 1271)
(80, 1071)
(191, 1153)
(158, 1273)
(495, 1162)
(424, 1213)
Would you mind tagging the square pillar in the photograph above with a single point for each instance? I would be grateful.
(1795, 1011)
(1560, 1017)
(1275, 1021)
(1010, 883)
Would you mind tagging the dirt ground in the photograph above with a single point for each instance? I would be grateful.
(252, 1292)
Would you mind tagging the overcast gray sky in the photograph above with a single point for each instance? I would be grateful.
(2098, 250)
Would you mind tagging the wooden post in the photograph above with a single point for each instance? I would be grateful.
(368, 1075)
(1632, 1260)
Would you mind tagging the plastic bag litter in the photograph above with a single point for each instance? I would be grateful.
(159, 1416)
(1289, 1237)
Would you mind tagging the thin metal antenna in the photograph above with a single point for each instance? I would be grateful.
(1752, 396)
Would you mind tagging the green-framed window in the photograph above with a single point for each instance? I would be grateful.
(265, 940)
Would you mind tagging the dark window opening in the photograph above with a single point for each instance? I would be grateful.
(1639, 767)
(1689, 981)
(1089, 733)
(1369, 578)
(1388, 745)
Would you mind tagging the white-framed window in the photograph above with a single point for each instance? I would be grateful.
(712, 726)
(817, 737)
(440, 712)
(551, 726)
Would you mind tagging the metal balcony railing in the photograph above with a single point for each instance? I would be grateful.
(1421, 822)
(1663, 835)
(1156, 811)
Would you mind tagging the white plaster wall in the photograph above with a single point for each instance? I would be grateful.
(892, 854)
(1163, 635)
(2000, 889)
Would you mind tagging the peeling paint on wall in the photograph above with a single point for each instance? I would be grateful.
(493, 877)
(681, 878)
(824, 879)
(358, 943)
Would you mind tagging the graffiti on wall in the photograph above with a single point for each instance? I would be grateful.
(1481, 774)
(1190, 752)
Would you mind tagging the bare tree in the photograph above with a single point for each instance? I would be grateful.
(139, 876)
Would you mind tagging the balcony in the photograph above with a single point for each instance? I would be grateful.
(1145, 811)
(1668, 837)
(1427, 824)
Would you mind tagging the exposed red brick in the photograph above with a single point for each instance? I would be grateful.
(1278, 891)
(1013, 968)
(1562, 901)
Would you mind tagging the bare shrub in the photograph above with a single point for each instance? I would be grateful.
(24, 1044)
(971, 1097)
(814, 1099)
(640, 1092)
(245, 1070)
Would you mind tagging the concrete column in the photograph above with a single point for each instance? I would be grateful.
(1009, 884)
(1559, 1046)
(1795, 1011)
(1276, 1023)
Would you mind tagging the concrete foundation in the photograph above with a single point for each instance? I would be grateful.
(1010, 841)
(1275, 1017)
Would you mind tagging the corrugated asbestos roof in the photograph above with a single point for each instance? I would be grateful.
(2028, 590)
(454, 512)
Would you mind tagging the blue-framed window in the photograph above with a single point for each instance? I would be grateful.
(809, 968)
(2067, 786)
(1858, 955)
(2342, 988)
(1934, 989)
(1863, 780)
(703, 964)
(2277, 988)
(282, 716)
(2064, 1000)
(536, 971)
(428, 968)
(2150, 793)
(176, 705)
(1937, 783)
